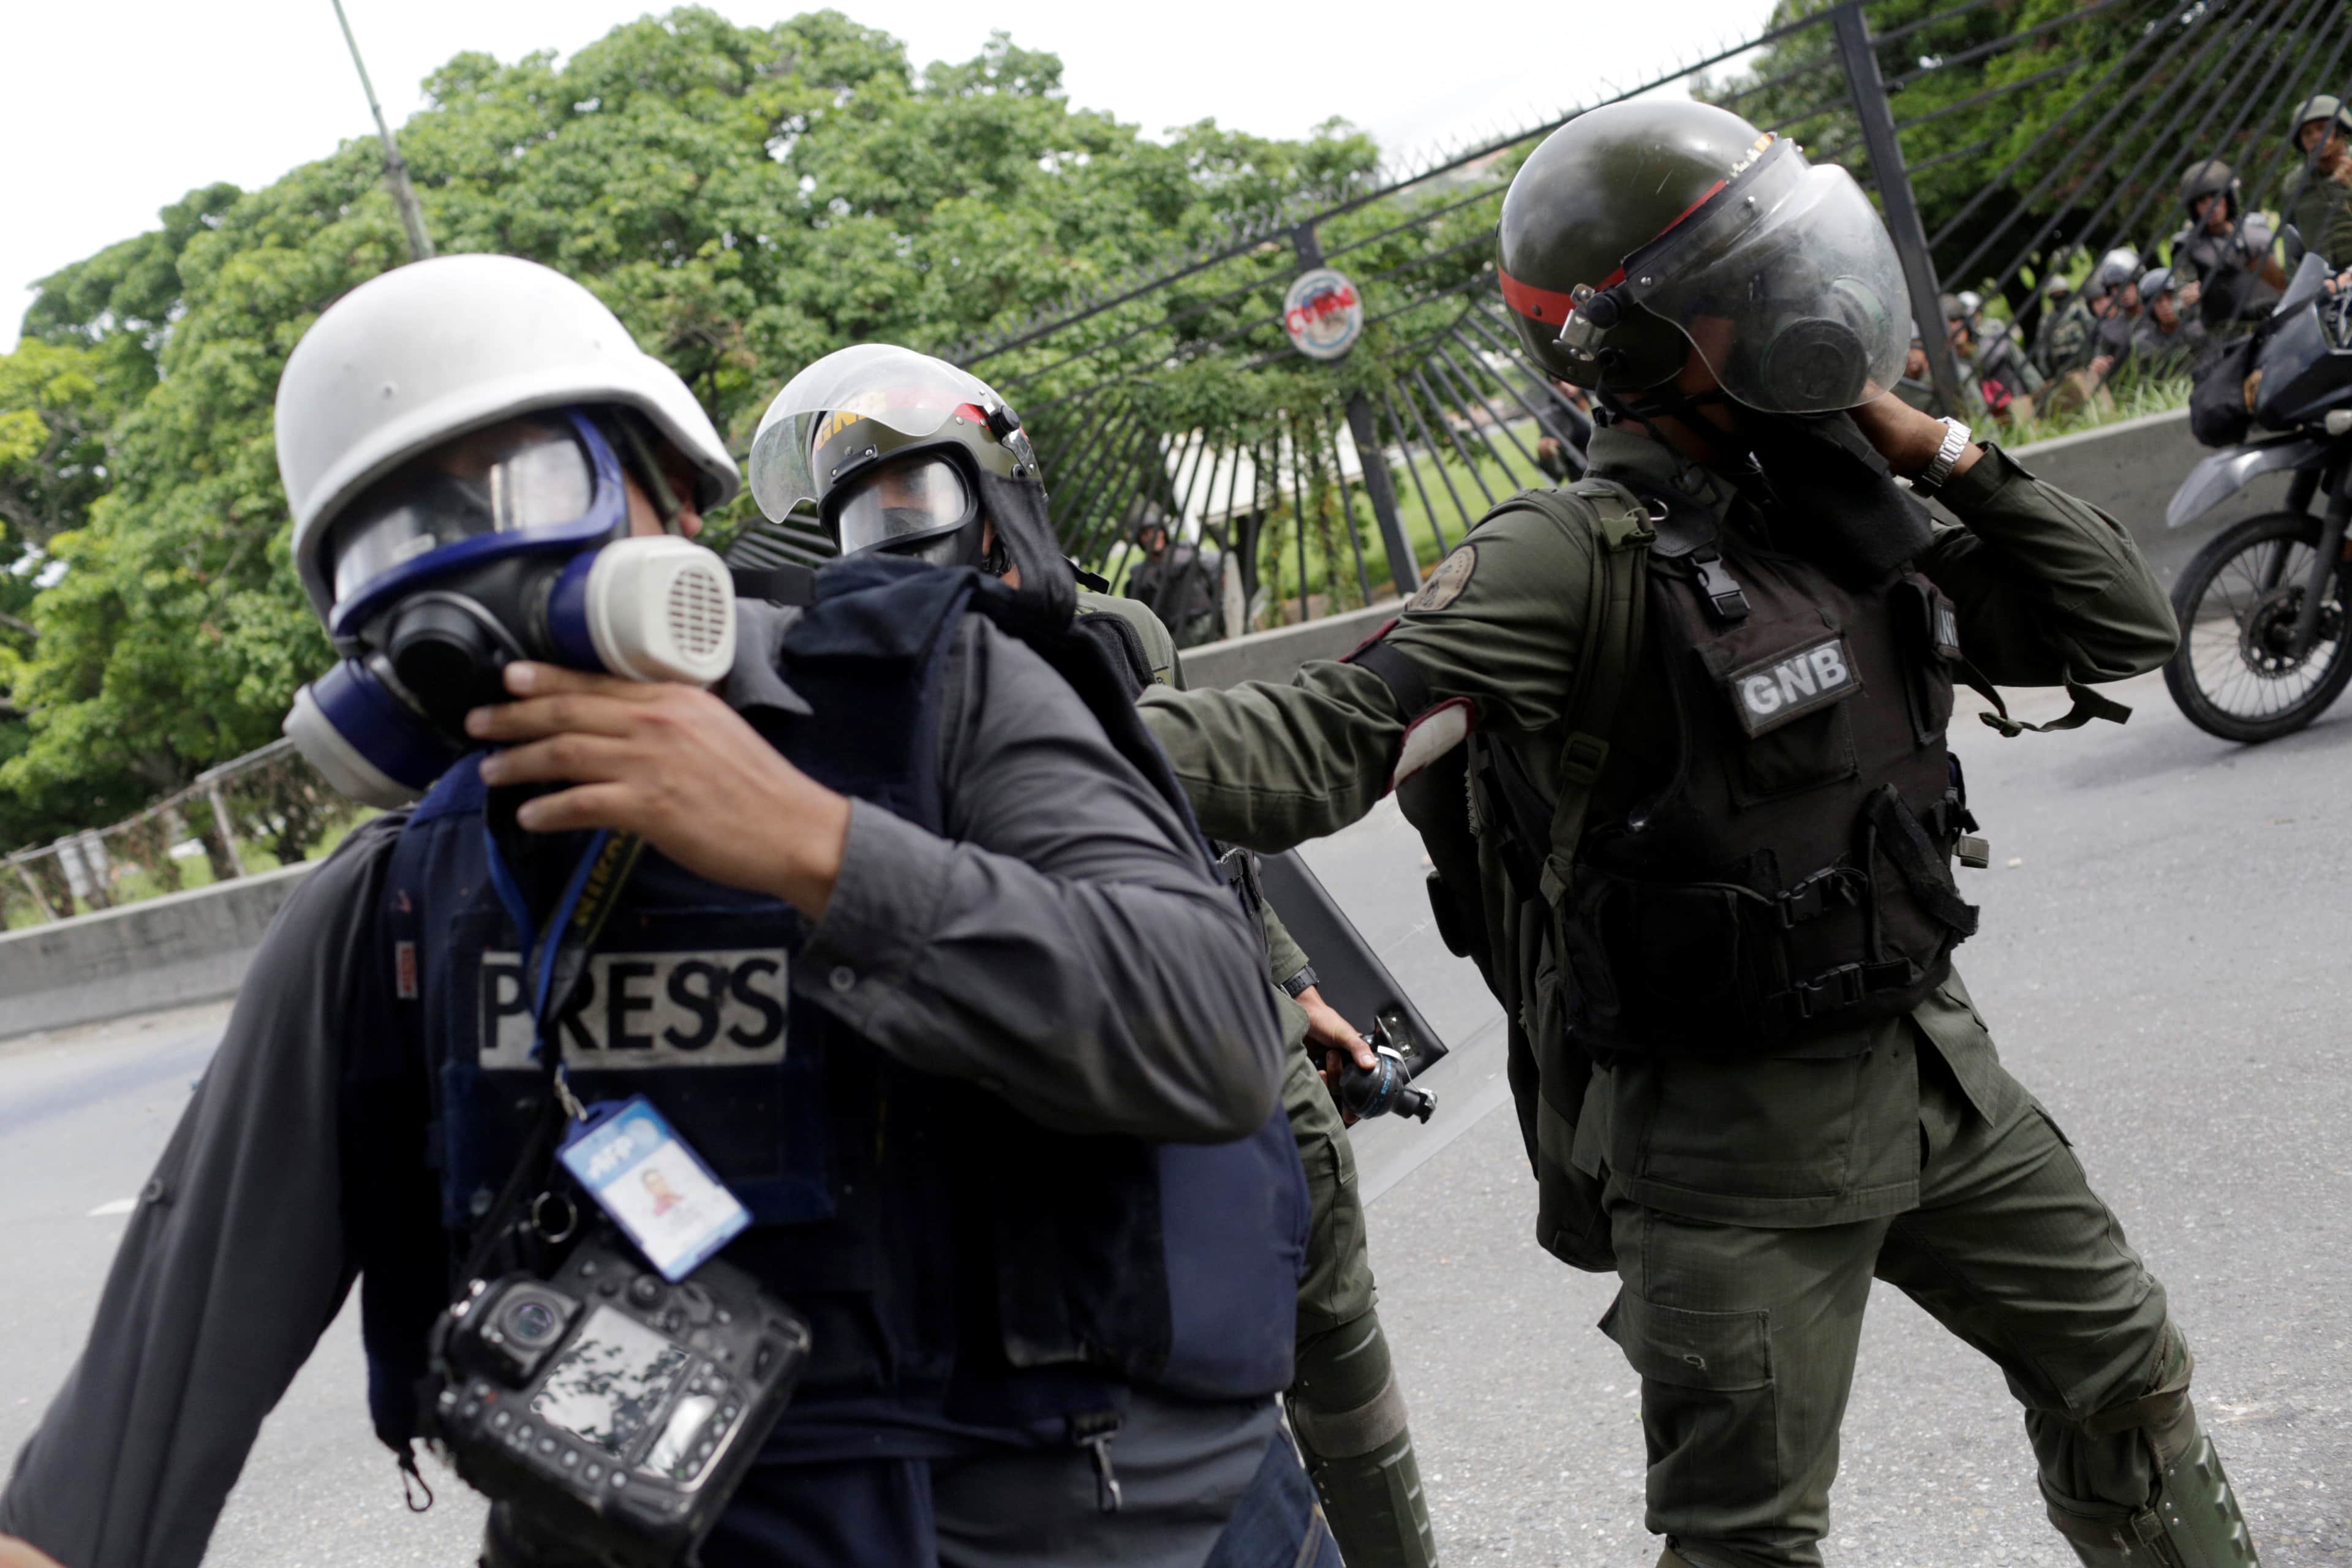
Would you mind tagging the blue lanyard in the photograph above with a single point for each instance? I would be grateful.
(542, 945)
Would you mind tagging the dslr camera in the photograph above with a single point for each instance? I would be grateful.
(609, 1406)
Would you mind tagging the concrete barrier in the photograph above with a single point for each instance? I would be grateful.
(1272, 655)
(161, 952)
(2131, 470)
(193, 947)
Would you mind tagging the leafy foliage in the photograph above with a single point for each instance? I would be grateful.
(745, 198)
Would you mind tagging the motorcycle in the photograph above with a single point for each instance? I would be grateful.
(2264, 645)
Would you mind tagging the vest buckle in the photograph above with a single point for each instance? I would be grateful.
(1810, 899)
(1722, 591)
(1831, 991)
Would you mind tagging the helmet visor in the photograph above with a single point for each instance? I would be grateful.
(1788, 285)
(524, 478)
(810, 430)
(896, 505)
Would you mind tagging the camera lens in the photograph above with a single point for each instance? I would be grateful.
(531, 1323)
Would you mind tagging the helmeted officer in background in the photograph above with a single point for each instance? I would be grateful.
(919, 951)
(2002, 380)
(1696, 705)
(2167, 340)
(2063, 343)
(2225, 250)
(2319, 208)
(2113, 294)
(885, 475)
(1182, 584)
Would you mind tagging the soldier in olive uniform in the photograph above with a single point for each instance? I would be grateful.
(2063, 343)
(1676, 740)
(2223, 250)
(1346, 1407)
(2320, 206)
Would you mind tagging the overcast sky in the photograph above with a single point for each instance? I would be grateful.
(110, 111)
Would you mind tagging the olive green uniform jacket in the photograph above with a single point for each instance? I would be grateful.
(2321, 211)
(2048, 589)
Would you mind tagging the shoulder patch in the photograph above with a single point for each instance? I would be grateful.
(1447, 582)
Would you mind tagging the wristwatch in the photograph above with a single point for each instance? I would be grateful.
(1301, 983)
(1940, 469)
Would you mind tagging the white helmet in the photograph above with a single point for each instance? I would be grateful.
(431, 351)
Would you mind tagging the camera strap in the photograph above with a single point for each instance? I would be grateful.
(555, 958)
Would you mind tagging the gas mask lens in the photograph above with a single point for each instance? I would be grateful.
(1788, 285)
(523, 475)
(897, 505)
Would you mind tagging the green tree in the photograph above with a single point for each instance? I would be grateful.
(745, 198)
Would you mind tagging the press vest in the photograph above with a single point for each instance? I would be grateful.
(1781, 865)
(936, 1239)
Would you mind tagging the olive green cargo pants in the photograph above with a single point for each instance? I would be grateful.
(1745, 1337)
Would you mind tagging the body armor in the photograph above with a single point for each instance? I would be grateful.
(1785, 869)
(939, 1243)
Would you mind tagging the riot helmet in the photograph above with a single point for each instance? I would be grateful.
(1639, 231)
(2209, 177)
(456, 439)
(893, 450)
(2154, 284)
(2116, 270)
(2323, 106)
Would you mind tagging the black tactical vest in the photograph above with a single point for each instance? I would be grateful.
(1784, 867)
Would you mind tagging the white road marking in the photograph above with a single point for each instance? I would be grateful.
(119, 1206)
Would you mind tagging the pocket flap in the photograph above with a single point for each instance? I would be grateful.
(1720, 1351)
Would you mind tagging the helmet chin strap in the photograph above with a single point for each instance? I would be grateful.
(1667, 400)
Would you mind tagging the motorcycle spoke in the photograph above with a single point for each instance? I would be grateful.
(2236, 620)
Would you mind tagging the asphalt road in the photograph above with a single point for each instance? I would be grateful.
(2163, 960)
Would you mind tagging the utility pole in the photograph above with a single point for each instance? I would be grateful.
(396, 167)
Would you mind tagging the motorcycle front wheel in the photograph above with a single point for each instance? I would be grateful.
(2237, 602)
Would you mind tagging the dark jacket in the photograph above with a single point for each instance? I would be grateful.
(1061, 945)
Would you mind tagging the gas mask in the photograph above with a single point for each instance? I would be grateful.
(895, 451)
(922, 503)
(511, 543)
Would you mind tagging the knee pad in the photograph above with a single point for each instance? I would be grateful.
(2193, 1520)
(2163, 1412)
(1344, 1399)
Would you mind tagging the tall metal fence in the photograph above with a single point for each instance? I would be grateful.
(1324, 402)
(2006, 142)
(264, 809)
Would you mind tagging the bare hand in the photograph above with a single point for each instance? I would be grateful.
(2100, 365)
(15, 1553)
(1341, 1042)
(673, 764)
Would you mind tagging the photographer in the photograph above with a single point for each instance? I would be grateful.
(921, 959)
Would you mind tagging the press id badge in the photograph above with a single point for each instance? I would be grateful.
(654, 1184)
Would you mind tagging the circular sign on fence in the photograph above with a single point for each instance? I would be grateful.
(1323, 313)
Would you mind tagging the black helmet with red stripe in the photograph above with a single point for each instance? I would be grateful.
(1640, 231)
